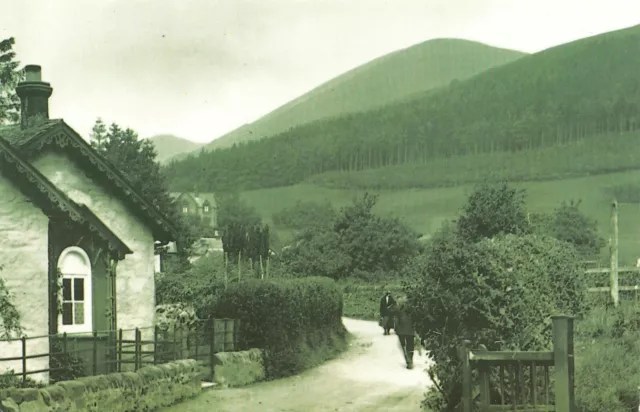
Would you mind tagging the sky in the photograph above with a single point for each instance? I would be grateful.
(198, 69)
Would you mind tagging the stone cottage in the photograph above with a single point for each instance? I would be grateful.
(76, 239)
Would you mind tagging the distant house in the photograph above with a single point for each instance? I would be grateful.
(197, 204)
(77, 241)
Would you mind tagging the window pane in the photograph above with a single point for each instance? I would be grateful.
(66, 289)
(78, 313)
(67, 318)
(78, 289)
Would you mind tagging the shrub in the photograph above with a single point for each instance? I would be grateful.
(10, 380)
(65, 366)
(292, 320)
(499, 292)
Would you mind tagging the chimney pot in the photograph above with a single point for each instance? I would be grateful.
(33, 73)
(34, 96)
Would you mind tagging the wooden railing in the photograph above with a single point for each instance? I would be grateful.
(512, 389)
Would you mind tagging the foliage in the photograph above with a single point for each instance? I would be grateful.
(64, 366)
(173, 316)
(9, 314)
(136, 158)
(589, 88)
(286, 318)
(569, 224)
(358, 241)
(493, 209)
(10, 379)
(306, 214)
(197, 286)
(10, 76)
(499, 292)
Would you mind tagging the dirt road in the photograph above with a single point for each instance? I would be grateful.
(370, 376)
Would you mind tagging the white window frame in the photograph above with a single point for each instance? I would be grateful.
(185, 209)
(206, 208)
(87, 327)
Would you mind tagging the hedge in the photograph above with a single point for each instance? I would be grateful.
(297, 322)
(148, 389)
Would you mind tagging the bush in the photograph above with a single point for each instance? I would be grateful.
(65, 366)
(292, 320)
(499, 292)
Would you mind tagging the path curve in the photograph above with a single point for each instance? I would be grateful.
(369, 376)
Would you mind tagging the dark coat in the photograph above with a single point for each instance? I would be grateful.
(403, 322)
(384, 306)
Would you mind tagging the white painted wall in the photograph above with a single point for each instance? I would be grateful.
(24, 258)
(135, 287)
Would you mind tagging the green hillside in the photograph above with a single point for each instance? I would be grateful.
(392, 77)
(570, 93)
(168, 146)
(426, 209)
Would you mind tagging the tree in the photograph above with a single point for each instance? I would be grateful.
(569, 224)
(358, 242)
(493, 209)
(136, 159)
(243, 233)
(10, 76)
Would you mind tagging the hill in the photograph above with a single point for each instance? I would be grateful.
(395, 76)
(570, 93)
(168, 146)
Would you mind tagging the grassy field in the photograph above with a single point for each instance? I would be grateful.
(426, 209)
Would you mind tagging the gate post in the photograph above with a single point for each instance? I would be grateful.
(467, 389)
(563, 362)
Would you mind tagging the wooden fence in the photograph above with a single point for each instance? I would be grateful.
(511, 392)
(124, 349)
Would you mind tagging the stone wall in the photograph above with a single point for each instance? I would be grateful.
(148, 389)
(238, 368)
(135, 274)
(24, 258)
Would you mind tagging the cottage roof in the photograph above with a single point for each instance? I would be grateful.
(53, 201)
(30, 142)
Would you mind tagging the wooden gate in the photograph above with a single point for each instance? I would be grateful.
(512, 391)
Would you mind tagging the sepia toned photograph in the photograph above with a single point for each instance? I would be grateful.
(319, 205)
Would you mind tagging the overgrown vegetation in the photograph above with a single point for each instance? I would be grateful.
(9, 315)
(494, 277)
(297, 322)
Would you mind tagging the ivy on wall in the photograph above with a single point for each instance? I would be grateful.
(9, 315)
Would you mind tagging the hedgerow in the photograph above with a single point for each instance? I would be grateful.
(499, 292)
(297, 322)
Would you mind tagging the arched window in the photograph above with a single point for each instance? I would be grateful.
(75, 266)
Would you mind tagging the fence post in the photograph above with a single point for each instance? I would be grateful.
(614, 254)
(119, 350)
(484, 374)
(24, 359)
(155, 344)
(136, 350)
(95, 352)
(563, 362)
(212, 342)
(467, 394)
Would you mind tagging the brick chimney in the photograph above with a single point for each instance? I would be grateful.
(34, 95)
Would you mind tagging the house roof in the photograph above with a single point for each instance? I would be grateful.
(200, 198)
(52, 201)
(30, 142)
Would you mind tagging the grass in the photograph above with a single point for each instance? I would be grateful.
(426, 209)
